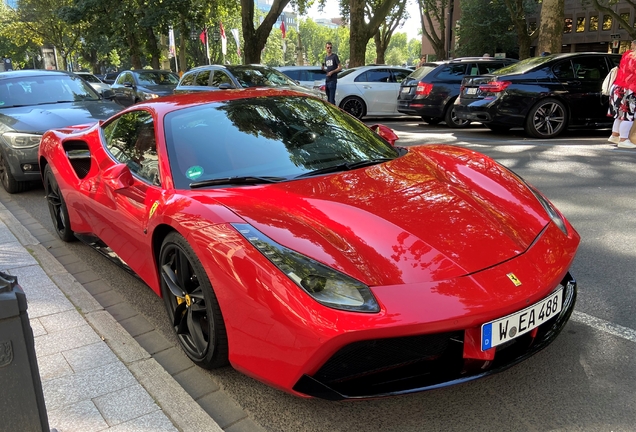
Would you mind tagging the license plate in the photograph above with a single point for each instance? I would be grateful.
(406, 89)
(505, 329)
(471, 90)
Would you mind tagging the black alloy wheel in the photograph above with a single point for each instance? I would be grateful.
(191, 304)
(354, 106)
(432, 120)
(451, 119)
(547, 119)
(9, 183)
(57, 207)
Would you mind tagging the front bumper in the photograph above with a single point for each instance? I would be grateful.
(23, 163)
(402, 365)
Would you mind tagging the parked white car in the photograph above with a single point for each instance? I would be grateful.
(307, 76)
(370, 90)
(93, 81)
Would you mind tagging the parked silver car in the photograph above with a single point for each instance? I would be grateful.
(307, 76)
(93, 81)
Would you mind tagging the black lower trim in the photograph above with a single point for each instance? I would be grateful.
(395, 366)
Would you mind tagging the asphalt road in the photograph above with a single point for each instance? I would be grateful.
(584, 381)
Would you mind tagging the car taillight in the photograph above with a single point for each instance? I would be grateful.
(323, 87)
(423, 89)
(494, 86)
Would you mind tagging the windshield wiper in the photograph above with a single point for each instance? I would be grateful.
(247, 180)
(348, 166)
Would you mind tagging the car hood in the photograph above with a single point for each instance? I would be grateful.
(40, 118)
(435, 213)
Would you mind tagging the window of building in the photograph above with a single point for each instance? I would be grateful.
(607, 22)
(625, 17)
(580, 24)
(594, 23)
(567, 25)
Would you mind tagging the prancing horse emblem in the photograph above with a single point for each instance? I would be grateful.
(514, 279)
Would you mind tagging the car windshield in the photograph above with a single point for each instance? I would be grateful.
(260, 77)
(279, 138)
(39, 90)
(421, 72)
(157, 78)
(523, 66)
(347, 72)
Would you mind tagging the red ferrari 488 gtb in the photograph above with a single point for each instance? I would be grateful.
(307, 250)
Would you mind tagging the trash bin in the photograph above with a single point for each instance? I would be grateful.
(21, 399)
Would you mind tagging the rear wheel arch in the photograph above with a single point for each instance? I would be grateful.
(557, 112)
(450, 118)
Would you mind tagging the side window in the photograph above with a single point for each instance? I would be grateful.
(317, 75)
(123, 78)
(614, 61)
(590, 68)
(399, 75)
(563, 70)
(453, 72)
(361, 78)
(378, 75)
(486, 68)
(188, 80)
(203, 78)
(131, 140)
(221, 78)
(293, 74)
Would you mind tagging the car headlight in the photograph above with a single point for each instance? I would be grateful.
(20, 140)
(324, 284)
(150, 96)
(549, 208)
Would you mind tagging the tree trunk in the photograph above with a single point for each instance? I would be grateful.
(360, 31)
(551, 27)
(518, 16)
(433, 12)
(380, 49)
(153, 48)
(184, 33)
(255, 39)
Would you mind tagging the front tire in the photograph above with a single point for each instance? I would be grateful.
(354, 106)
(547, 119)
(9, 183)
(57, 207)
(191, 304)
(432, 120)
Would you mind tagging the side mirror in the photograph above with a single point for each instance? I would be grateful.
(385, 132)
(129, 84)
(108, 94)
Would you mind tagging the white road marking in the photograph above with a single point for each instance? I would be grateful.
(605, 326)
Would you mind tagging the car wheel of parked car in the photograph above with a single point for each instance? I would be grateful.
(57, 207)
(191, 304)
(432, 120)
(497, 128)
(9, 183)
(354, 106)
(451, 119)
(547, 119)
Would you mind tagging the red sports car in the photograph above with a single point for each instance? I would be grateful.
(307, 250)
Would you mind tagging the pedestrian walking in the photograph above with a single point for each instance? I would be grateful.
(332, 65)
(622, 104)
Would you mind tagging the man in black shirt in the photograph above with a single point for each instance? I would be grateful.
(332, 65)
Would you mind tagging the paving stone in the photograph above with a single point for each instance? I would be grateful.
(46, 237)
(14, 256)
(76, 268)
(86, 276)
(6, 236)
(96, 287)
(173, 360)
(87, 384)
(109, 298)
(245, 425)
(68, 259)
(121, 311)
(36, 327)
(76, 293)
(122, 344)
(155, 422)
(125, 404)
(89, 356)
(136, 325)
(48, 262)
(221, 408)
(62, 321)
(53, 366)
(196, 382)
(80, 417)
(153, 342)
(64, 341)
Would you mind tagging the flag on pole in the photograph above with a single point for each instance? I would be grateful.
(203, 36)
(172, 48)
(283, 29)
(235, 33)
(223, 40)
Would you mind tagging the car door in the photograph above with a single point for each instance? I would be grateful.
(397, 76)
(582, 82)
(122, 193)
(124, 89)
(378, 90)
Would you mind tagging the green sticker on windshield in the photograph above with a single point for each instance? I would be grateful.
(194, 172)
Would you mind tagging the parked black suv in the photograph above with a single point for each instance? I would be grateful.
(544, 95)
(432, 88)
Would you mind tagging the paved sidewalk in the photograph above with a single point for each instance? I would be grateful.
(95, 376)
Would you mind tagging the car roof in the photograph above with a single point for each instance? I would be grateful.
(32, 72)
(297, 67)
